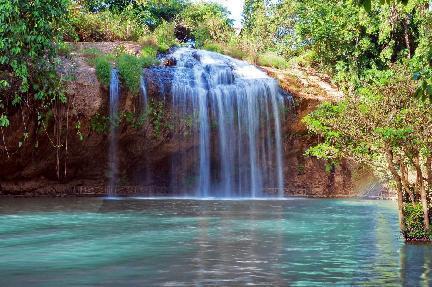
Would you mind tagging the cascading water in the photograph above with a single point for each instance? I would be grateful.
(144, 94)
(235, 112)
(113, 136)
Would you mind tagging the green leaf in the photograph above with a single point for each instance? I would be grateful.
(367, 5)
(4, 121)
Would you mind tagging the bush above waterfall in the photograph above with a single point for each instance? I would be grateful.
(104, 26)
(206, 22)
(103, 70)
(130, 68)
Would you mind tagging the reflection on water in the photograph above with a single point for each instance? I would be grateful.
(88, 242)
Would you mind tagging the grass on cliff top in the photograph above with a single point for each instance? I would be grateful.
(103, 70)
(227, 49)
(273, 60)
(130, 67)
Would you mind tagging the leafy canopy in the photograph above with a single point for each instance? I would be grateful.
(30, 36)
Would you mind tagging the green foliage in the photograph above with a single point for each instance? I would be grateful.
(165, 36)
(324, 151)
(154, 12)
(356, 126)
(150, 13)
(157, 117)
(367, 4)
(229, 49)
(342, 38)
(149, 52)
(30, 36)
(235, 52)
(213, 47)
(130, 69)
(394, 135)
(345, 40)
(136, 121)
(414, 222)
(78, 131)
(259, 27)
(206, 22)
(100, 124)
(65, 49)
(271, 59)
(382, 125)
(4, 121)
(91, 54)
(103, 70)
(106, 26)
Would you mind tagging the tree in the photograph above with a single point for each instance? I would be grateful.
(367, 4)
(30, 36)
(385, 127)
(149, 12)
(259, 27)
(206, 22)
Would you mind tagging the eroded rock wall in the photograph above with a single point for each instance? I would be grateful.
(40, 168)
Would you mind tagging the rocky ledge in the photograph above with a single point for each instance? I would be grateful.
(40, 169)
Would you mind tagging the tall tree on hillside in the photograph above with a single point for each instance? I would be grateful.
(258, 27)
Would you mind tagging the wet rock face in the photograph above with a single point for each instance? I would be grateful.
(305, 176)
(145, 154)
(159, 81)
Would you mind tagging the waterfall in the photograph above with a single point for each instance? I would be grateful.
(236, 121)
(144, 94)
(113, 135)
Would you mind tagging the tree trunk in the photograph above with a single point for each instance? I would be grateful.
(405, 181)
(422, 190)
(429, 171)
(397, 179)
(407, 36)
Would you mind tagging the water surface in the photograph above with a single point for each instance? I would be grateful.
(99, 242)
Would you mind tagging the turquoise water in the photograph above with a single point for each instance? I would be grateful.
(300, 242)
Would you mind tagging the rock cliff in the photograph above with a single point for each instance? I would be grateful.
(71, 158)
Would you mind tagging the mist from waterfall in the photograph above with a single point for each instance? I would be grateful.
(113, 135)
(235, 111)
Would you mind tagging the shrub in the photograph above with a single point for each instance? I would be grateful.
(271, 59)
(305, 59)
(103, 70)
(207, 21)
(414, 227)
(130, 69)
(165, 36)
(100, 124)
(149, 52)
(30, 34)
(106, 26)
